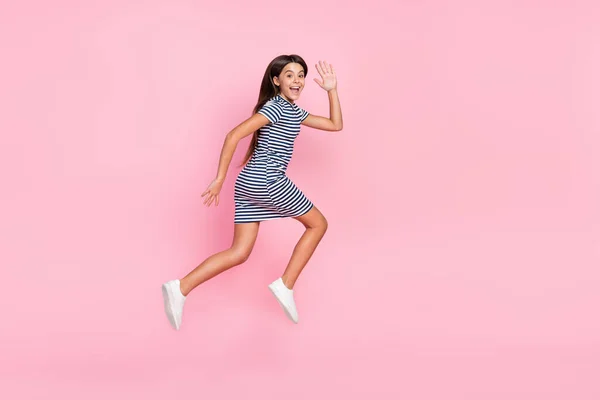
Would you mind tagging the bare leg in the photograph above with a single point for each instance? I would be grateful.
(244, 238)
(316, 226)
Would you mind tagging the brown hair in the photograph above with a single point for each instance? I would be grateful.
(269, 90)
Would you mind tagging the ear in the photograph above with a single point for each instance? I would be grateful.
(276, 81)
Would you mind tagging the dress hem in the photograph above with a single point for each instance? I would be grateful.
(276, 217)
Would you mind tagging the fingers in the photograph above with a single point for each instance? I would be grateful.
(208, 198)
(323, 68)
(319, 69)
(212, 198)
(207, 190)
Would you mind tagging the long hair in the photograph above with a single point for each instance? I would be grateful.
(269, 90)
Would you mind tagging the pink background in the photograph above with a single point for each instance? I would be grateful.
(462, 256)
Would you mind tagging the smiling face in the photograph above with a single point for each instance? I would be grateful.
(290, 81)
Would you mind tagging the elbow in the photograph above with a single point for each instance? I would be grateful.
(338, 125)
(232, 139)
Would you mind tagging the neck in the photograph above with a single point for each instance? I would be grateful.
(285, 98)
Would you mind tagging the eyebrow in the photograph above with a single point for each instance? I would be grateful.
(289, 70)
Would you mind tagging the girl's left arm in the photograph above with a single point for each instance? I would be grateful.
(329, 83)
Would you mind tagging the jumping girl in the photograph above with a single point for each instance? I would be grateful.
(262, 189)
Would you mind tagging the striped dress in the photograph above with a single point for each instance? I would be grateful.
(262, 189)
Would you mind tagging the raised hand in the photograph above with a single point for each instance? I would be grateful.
(329, 80)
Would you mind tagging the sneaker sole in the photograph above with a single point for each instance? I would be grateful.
(285, 309)
(169, 307)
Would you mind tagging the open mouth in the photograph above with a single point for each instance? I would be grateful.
(295, 89)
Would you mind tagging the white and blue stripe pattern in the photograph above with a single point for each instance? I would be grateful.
(262, 189)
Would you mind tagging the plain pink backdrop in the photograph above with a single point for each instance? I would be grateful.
(462, 256)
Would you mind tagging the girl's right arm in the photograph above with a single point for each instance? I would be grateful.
(244, 129)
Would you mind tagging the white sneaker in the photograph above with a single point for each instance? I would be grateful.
(285, 297)
(174, 301)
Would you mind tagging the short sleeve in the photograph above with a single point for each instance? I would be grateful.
(303, 114)
(272, 110)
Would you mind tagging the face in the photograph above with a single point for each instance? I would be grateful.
(290, 81)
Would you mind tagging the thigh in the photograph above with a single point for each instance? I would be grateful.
(313, 219)
(244, 235)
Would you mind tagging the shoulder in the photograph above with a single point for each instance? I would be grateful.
(276, 103)
(273, 109)
(281, 103)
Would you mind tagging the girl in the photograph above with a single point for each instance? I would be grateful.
(262, 189)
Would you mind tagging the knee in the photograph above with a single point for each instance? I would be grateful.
(322, 226)
(240, 255)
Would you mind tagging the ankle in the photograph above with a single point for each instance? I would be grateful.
(287, 282)
(183, 288)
